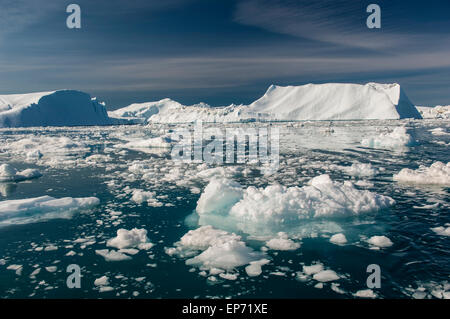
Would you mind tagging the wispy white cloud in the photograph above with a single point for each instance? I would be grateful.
(336, 22)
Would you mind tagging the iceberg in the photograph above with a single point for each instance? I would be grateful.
(436, 112)
(266, 211)
(57, 108)
(332, 101)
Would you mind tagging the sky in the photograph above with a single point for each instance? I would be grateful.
(222, 51)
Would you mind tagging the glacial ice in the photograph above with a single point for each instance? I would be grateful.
(332, 101)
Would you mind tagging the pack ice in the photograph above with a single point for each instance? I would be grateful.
(58, 108)
(331, 101)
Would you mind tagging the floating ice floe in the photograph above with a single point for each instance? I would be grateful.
(398, 138)
(128, 243)
(282, 242)
(9, 174)
(135, 238)
(366, 293)
(437, 173)
(380, 241)
(216, 250)
(441, 230)
(428, 290)
(338, 239)
(24, 211)
(265, 211)
(439, 131)
(318, 273)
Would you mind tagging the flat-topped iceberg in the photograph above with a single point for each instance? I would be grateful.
(333, 101)
(57, 108)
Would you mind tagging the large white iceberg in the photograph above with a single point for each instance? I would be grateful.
(57, 108)
(332, 101)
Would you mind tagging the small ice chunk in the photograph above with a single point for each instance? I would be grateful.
(380, 241)
(51, 268)
(135, 238)
(282, 242)
(112, 255)
(338, 239)
(442, 231)
(326, 276)
(102, 281)
(254, 269)
(367, 293)
(313, 269)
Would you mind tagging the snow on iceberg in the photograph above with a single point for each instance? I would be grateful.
(331, 101)
(437, 173)
(260, 211)
(9, 174)
(58, 108)
(24, 211)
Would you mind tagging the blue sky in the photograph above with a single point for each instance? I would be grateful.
(222, 52)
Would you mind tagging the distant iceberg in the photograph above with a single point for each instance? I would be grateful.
(332, 101)
(437, 112)
(57, 108)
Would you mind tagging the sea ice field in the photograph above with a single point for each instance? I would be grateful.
(110, 199)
